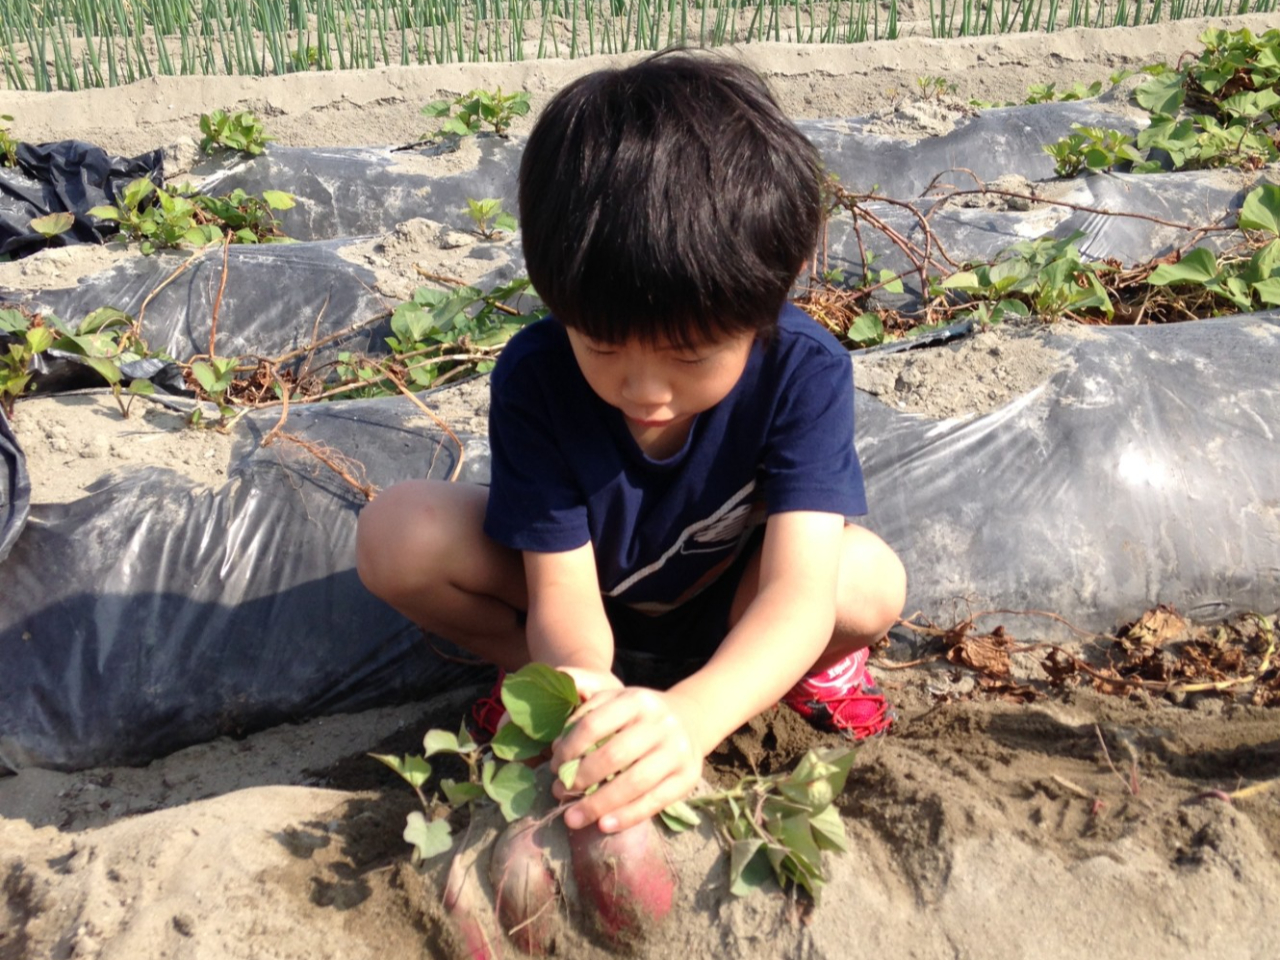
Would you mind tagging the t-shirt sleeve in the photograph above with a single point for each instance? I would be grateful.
(534, 503)
(810, 462)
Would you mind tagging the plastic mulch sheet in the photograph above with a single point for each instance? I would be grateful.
(277, 299)
(352, 191)
(151, 613)
(1145, 470)
(15, 488)
(64, 177)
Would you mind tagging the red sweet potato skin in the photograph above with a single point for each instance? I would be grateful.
(526, 891)
(469, 914)
(625, 884)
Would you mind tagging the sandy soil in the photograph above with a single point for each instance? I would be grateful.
(980, 828)
(72, 441)
(977, 375)
(415, 246)
(994, 822)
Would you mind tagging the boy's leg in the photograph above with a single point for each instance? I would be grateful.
(871, 591)
(421, 547)
(838, 694)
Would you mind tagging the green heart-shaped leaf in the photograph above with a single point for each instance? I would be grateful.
(428, 839)
(1261, 210)
(540, 700)
(512, 743)
(1198, 266)
(512, 787)
(52, 224)
(413, 770)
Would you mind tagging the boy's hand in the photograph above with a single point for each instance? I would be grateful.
(650, 752)
(591, 682)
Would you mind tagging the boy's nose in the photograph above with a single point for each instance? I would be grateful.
(645, 388)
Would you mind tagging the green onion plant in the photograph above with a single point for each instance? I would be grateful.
(75, 44)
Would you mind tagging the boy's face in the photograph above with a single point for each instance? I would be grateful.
(660, 389)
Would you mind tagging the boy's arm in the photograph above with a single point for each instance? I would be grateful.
(567, 627)
(659, 739)
(784, 630)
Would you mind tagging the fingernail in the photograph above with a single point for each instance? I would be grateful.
(608, 824)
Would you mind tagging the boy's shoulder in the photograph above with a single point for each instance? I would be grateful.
(804, 358)
(543, 341)
(799, 331)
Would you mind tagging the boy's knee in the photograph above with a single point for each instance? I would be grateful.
(893, 577)
(372, 528)
(874, 574)
(397, 536)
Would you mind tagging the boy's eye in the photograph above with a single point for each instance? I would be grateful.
(691, 361)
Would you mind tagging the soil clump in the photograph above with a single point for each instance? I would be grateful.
(73, 441)
(974, 376)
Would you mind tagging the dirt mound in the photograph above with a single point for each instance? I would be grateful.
(980, 827)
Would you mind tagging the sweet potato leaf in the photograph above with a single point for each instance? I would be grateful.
(828, 830)
(1261, 210)
(441, 741)
(414, 770)
(459, 794)
(429, 839)
(1198, 266)
(540, 700)
(749, 867)
(512, 743)
(680, 817)
(568, 772)
(512, 787)
(53, 224)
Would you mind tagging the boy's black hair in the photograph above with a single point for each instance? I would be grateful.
(670, 201)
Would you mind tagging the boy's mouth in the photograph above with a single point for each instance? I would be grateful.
(649, 423)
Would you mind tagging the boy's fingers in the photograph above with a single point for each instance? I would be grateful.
(598, 718)
(642, 779)
(647, 806)
(621, 750)
(591, 682)
(579, 734)
(625, 809)
(612, 796)
(579, 712)
(604, 697)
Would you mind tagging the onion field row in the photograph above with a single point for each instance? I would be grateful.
(74, 44)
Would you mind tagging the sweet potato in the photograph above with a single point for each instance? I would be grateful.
(625, 884)
(468, 910)
(525, 887)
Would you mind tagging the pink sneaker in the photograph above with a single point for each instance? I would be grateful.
(487, 712)
(843, 699)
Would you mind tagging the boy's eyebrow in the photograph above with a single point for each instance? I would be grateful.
(702, 347)
(712, 346)
(658, 347)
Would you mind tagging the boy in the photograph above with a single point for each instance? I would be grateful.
(673, 453)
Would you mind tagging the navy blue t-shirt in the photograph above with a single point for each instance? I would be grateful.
(566, 469)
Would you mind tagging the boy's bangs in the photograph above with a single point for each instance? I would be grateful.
(654, 323)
